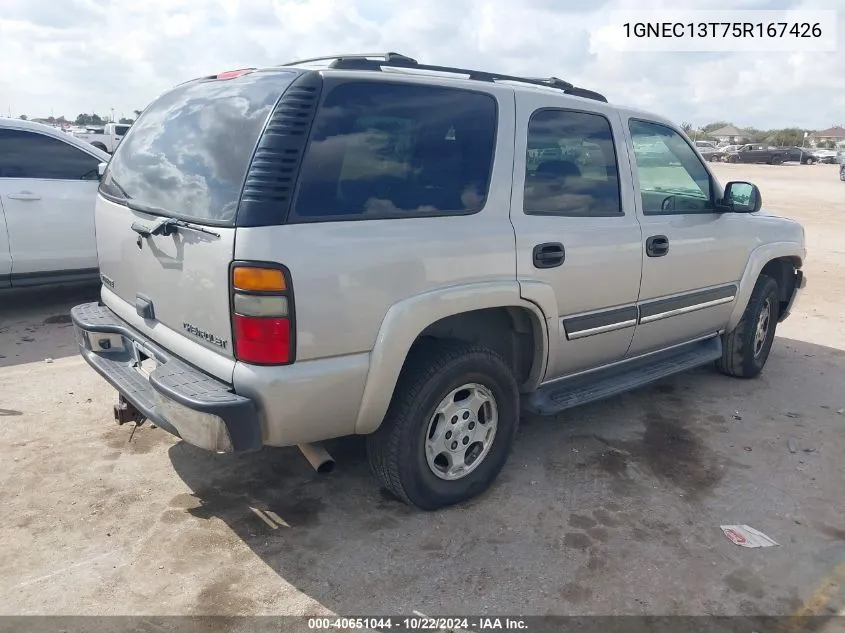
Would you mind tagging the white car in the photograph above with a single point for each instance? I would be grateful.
(48, 188)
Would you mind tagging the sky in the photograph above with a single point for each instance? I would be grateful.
(67, 57)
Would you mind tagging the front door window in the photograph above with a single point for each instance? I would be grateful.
(671, 176)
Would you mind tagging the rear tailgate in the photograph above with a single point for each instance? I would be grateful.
(185, 159)
(183, 277)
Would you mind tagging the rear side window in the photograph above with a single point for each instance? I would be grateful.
(392, 150)
(188, 154)
(26, 154)
(571, 165)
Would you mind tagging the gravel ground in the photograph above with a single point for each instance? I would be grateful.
(613, 508)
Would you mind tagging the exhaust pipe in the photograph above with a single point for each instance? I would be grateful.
(318, 457)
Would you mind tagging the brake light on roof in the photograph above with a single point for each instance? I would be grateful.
(231, 74)
(262, 314)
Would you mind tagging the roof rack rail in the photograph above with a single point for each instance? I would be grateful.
(394, 58)
(377, 61)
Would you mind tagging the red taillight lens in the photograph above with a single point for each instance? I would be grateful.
(263, 323)
(262, 340)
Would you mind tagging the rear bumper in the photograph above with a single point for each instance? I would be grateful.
(800, 283)
(179, 398)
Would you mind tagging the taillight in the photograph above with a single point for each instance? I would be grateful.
(262, 314)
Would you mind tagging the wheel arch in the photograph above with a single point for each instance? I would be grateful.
(778, 260)
(490, 313)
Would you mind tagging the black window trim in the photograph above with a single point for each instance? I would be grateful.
(59, 140)
(329, 84)
(713, 201)
(621, 212)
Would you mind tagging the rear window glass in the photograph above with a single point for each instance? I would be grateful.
(187, 155)
(381, 149)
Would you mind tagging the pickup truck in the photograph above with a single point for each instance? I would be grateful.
(105, 138)
(756, 153)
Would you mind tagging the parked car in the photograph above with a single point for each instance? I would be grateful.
(801, 155)
(48, 185)
(840, 158)
(376, 255)
(722, 151)
(826, 156)
(707, 150)
(755, 153)
(105, 138)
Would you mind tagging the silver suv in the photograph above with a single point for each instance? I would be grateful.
(370, 245)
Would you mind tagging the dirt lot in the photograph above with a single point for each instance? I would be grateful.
(610, 509)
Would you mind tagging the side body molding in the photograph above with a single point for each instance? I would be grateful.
(405, 321)
(759, 257)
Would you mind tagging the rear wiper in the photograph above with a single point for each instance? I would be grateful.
(168, 226)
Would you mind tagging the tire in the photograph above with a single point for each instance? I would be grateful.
(99, 146)
(744, 354)
(397, 450)
(777, 160)
(842, 173)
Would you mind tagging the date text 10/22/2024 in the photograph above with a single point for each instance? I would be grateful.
(418, 623)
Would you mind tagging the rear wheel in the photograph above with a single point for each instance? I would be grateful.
(777, 160)
(747, 346)
(450, 425)
(99, 146)
(842, 173)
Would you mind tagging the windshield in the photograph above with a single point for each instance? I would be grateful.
(188, 154)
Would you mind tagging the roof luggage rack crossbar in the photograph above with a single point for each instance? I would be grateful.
(378, 61)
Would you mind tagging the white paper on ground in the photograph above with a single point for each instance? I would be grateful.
(747, 536)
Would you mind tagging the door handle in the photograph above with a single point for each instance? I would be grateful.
(657, 246)
(24, 195)
(548, 255)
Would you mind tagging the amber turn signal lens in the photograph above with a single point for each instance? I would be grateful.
(262, 279)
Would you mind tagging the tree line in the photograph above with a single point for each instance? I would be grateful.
(86, 119)
(785, 137)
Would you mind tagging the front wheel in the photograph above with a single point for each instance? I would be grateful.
(777, 160)
(450, 425)
(747, 346)
(842, 173)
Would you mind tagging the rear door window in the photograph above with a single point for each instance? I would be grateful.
(393, 150)
(188, 153)
(571, 165)
(25, 154)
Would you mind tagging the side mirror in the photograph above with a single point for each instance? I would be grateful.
(742, 197)
(101, 169)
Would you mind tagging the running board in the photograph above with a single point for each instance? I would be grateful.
(622, 377)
